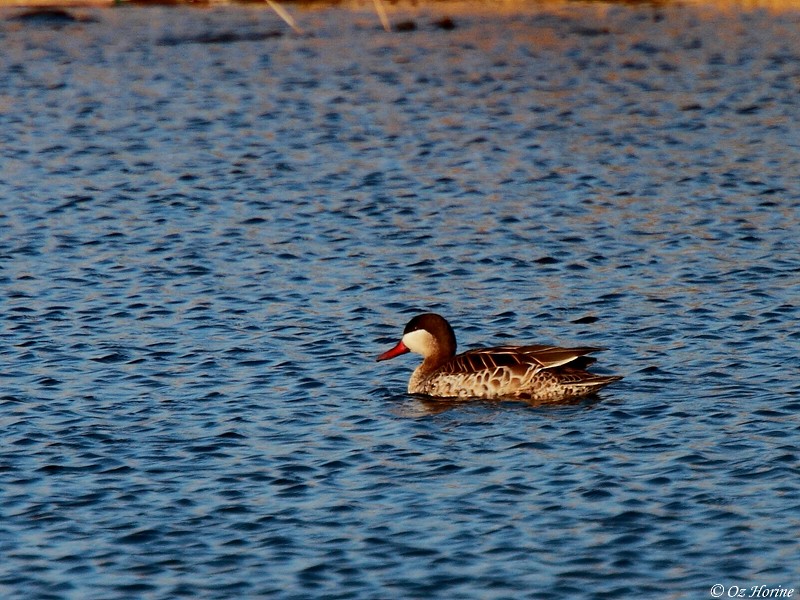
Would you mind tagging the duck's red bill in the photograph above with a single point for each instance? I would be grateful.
(396, 351)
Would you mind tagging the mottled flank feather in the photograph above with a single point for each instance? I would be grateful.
(535, 373)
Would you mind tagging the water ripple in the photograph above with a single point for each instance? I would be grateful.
(200, 268)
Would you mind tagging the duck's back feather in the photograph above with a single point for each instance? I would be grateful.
(532, 357)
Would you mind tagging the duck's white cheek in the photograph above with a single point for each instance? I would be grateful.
(419, 341)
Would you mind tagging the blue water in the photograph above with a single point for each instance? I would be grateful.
(211, 226)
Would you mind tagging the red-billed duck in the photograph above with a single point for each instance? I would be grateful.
(533, 373)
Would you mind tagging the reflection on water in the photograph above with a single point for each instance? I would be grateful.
(210, 231)
(415, 407)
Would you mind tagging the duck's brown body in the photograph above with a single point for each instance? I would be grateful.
(533, 373)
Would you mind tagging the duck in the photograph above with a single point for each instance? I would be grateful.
(536, 374)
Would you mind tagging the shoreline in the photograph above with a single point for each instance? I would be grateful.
(453, 7)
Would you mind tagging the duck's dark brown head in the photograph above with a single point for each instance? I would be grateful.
(428, 334)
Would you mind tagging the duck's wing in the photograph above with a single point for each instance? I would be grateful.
(538, 357)
(550, 357)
